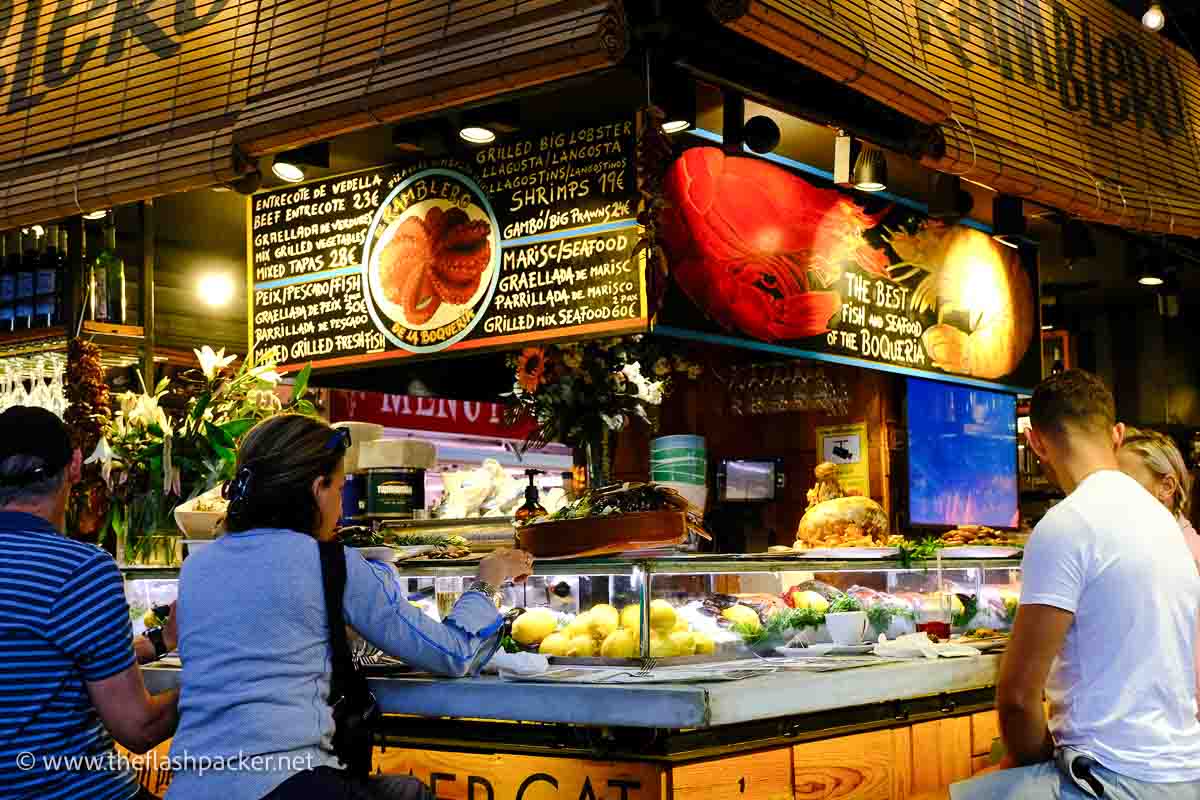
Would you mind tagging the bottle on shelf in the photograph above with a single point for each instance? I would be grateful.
(115, 282)
(531, 509)
(26, 273)
(97, 303)
(8, 280)
(45, 288)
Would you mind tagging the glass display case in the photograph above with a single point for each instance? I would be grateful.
(683, 608)
(705, 607)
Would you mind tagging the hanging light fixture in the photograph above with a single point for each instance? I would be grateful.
(761, 134)
(1151, 271)
(1008, 220)
(94, 215)
(477, 134)
(1154, 19)
(289, 165)
(870, 170)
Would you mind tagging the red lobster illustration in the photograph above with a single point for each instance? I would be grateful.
(757, 247)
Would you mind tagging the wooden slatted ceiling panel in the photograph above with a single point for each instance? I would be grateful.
(418, 60)
(1119, 144)
(81, 132)
(173, 165)
(109, 75)
(874, 56)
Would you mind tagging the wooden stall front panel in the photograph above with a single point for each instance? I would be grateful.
(1068, 102)
(941, 753)
(758, 776)
(867, 766)
(472, 776)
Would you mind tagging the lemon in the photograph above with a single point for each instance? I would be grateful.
(580, 626)
(150, 620)
(603, 620)
(742, 615)
(684, 643)
(631, 617)
(704, 645)
(810, 599)
(662, 616)
(661, 647)
(621, 643)
(534, 625)
(582, 646)
(556, 644)
(681, 624)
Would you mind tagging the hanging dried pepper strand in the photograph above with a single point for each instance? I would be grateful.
(88, 412)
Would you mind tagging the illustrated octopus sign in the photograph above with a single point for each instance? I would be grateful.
(767, 254)
(533, 240)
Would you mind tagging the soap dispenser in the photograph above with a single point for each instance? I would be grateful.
(532, 509)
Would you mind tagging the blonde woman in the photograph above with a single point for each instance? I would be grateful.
(1152, 459)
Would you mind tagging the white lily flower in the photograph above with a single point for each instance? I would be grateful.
(129, 402)
(633, 373)
(267, 374)
(211, 363)
(651, 393)
(103, 455)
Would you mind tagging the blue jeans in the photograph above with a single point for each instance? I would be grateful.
(326, 783)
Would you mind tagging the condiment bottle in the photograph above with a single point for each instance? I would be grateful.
(531, 509)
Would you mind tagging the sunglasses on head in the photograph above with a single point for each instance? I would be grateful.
(339, 440)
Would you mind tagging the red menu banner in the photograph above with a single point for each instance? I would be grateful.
(437, 414)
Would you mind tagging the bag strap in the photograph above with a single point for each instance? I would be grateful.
(333, 576)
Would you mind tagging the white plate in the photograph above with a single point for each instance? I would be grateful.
(982, 645)
(980, 551)
(385, 554)
(819, 650)
(850, 553)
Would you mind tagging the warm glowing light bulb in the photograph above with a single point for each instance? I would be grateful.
(1154, 19)
(477, 135)
(676, 126)
(287, 171)
(215, 289)
(1150, 280)
(93, 215)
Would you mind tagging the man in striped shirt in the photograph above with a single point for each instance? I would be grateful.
(68, 663)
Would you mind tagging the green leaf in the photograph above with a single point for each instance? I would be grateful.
(162, 385)
(238, 428)
(300, 387)
(201, 406)
(218, 436)
(306, 408)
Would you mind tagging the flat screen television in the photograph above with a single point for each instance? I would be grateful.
(962, 456)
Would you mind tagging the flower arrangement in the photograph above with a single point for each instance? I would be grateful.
(580, 392)
(154, 457)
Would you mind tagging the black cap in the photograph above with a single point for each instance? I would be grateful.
(35, 432)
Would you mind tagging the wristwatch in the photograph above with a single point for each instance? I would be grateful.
(155, 635)
(491, 592)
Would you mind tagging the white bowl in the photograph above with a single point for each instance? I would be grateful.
(198, 524)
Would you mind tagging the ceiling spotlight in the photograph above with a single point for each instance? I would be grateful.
(215, 289)
(1154, 19)
(1008, 220)
(761, 134)
(477, 134)
(870, 170)
(1151, 276)
(676, 126)
(94, 215)
(947, 199)
(289, 166)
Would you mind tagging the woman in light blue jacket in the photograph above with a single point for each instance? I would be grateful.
(255, 719)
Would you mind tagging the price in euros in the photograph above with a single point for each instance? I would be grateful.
(612, 182)
(342, 257)
(364, 200)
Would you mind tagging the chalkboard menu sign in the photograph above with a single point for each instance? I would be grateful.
(763, 253)
(532, 241)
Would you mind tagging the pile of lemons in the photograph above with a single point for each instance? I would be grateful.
(604, 631)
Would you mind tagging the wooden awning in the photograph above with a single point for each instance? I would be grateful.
(829, 38)
(125, 101)
(1071, 104)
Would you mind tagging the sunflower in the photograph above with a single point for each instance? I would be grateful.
(531, 368)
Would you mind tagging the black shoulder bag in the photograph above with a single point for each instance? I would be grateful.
(355, 712)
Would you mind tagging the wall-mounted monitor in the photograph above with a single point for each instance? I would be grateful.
(962, 456)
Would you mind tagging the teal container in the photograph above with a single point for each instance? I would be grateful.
(679, 459)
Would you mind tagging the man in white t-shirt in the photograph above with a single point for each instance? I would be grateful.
(1109, 604)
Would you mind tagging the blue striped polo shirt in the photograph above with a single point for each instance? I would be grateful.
(63, 622)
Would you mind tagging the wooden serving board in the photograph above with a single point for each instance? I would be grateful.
(618, 533)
